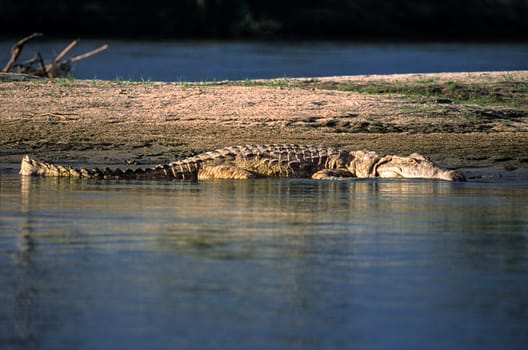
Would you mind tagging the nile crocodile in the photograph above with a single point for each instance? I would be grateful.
(252, 161)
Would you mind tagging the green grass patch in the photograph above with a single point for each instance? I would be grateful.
(507, 92)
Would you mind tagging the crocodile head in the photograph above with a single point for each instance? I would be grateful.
(414, 166)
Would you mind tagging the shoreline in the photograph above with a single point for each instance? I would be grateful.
(476, 122)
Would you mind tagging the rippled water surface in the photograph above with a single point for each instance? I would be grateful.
(264, 264)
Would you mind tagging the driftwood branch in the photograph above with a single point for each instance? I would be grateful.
(58, 67)
(88, 54)
(16, 50)
(65, 51)
(36, 66)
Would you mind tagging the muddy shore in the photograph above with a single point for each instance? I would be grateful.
(477, 122)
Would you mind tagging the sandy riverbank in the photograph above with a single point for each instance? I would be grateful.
(90, 122)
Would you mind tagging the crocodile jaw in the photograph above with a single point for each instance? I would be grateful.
(415, 166)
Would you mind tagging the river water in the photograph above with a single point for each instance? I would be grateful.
(269, 263)
(263, 264)
(217, 60)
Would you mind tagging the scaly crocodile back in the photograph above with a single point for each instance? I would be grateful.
(286, 160)
(262, 160)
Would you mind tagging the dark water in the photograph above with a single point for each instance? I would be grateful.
(264, 264)
(213, 60)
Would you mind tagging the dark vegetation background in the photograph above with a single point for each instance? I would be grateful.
(449, 20)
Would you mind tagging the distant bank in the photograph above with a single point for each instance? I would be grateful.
(447, 20)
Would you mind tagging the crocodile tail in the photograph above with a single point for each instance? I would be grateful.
(32, 167)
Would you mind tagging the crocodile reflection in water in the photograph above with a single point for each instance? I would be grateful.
(253, 161)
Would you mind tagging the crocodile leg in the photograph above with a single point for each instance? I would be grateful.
(224, 172)
(331, 174)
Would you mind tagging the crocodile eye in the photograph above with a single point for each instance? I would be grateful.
(411, 160)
